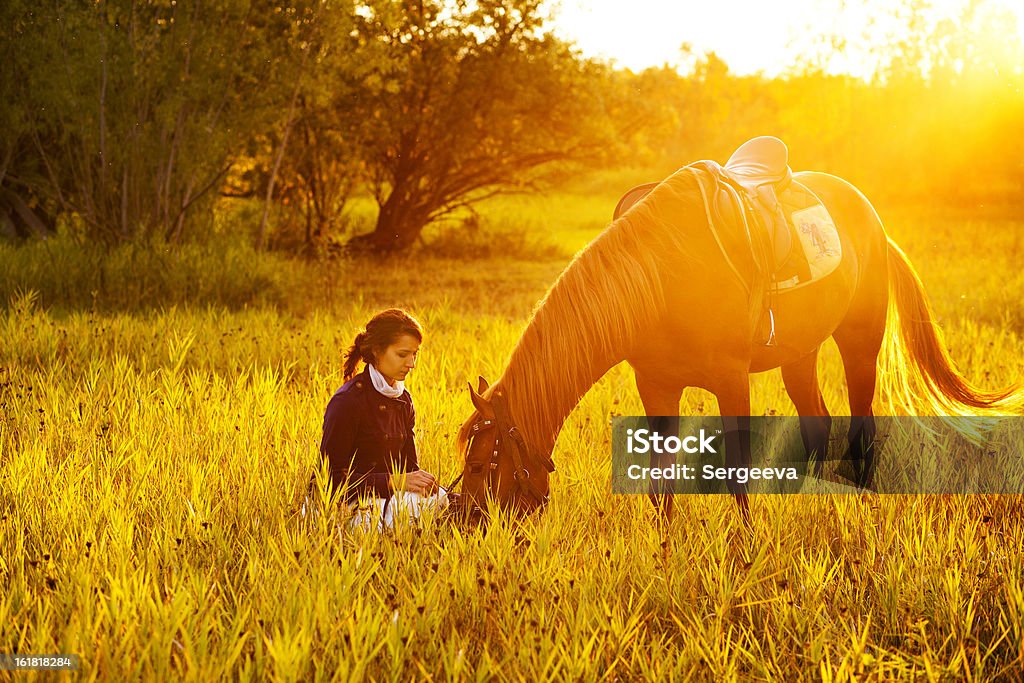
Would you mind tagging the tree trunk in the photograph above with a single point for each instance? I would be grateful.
(16, 214)
(261, 239)
(399, 223)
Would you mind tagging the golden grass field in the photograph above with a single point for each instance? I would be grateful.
(160, 415)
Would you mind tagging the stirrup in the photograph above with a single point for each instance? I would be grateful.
(771, 331)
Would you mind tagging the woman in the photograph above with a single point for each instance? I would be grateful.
(368, 426)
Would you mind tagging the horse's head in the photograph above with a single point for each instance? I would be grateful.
(498, 462)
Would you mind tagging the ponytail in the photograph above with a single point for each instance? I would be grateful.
(354, 355)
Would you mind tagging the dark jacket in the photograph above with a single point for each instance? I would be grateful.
(366, 434)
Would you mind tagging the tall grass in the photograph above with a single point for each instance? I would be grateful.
(156, 438)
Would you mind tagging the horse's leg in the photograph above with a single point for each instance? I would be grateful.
(859, 338)
(733, 393)
(859, 363)
(661, 403)
(801, 380)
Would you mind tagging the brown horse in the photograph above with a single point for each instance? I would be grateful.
(654, 289)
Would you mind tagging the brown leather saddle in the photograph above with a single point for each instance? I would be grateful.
(749, 185)
(744, 195)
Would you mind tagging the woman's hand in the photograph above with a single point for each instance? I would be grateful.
(420, 481)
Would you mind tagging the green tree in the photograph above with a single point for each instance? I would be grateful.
(308, 162)
(469, 100)
(25, 210)
(135, 110)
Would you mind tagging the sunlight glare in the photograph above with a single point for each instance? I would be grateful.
(751, 37)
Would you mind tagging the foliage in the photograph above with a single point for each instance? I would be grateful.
(942, 122)
(474, 97)
(132, 111)
(24, 209)
(139, 121)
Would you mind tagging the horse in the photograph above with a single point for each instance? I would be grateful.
(655, 290)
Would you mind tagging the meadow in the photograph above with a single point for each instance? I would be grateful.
(160, 414)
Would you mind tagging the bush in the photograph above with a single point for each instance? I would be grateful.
(132, 276)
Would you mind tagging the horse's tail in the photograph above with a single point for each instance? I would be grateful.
(917, 375)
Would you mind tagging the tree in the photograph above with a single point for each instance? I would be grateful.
(465, 101)
(134, 110)
(308, 164)
(323, 170)
(24, 210)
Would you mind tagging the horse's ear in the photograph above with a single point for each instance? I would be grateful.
(479, 402)
(483, 384)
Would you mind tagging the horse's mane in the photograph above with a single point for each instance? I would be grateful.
(611, 291)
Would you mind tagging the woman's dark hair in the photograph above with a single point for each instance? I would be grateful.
(383, 330)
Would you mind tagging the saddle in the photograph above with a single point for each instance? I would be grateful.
(761, 167)
(754, 192)
(749, 186)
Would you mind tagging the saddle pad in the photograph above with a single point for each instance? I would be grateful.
(818, 238)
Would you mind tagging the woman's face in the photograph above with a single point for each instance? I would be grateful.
(398, 359)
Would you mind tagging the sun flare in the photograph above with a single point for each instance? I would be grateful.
(770, 38)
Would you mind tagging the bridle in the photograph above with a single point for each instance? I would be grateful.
(480, 473)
